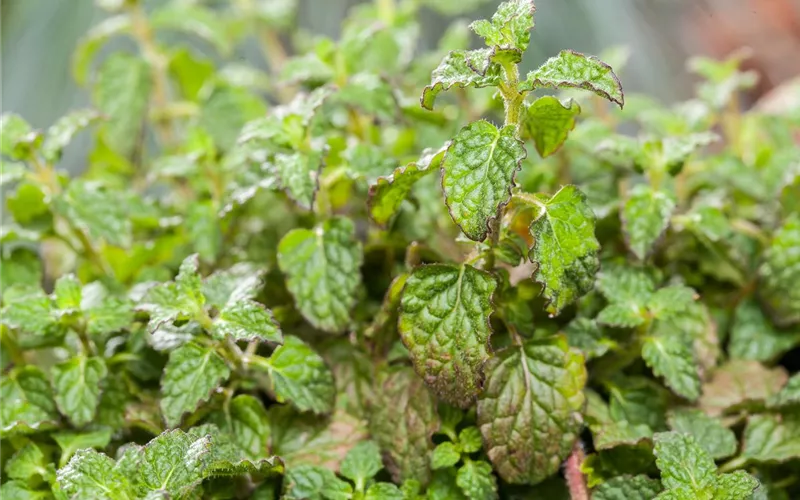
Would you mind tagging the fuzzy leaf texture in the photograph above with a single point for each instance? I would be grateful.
(478, 174)
(565, 248)
(529, 411)
(444, 322)
(548, 122)
(462, 68)
(572, 69)
(322, 271)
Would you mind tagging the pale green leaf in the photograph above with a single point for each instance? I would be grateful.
(15, 129)
(322, 271)
(622, 315)
(240, 282)
(772, 438)
(174, 463)
(478, 174)
(789, 395)
(572, 69)
(204, 231)
(71, 442)
(469, 440)
(445, 455)
(79, 204)
(121, 93)
(672, 357)
(362, 463)
(404, 436)
(247, 423)
(180, 299)
(301, 376)
(93, 41)
(625, 284)
(670, 301)
(462, 68)
(588, 336)
(299, 175)
(311, 482)
(90, 474)
(683, 462)
(77, 387)
(388, 193)
(780, 272)
(444, 322)
(548, 122)
(565, 247)
(247, 320)
(31, 312)
(510, 26)
(26, 463)
(61, 133)
(737, 485)
(191, 374)
(709, 432)
(529, 411)
(753, 336)
(67, 293)
(476, 480)
(196, 20)
(384, 491)
(645, 217)
(27, 402)
(638, 487)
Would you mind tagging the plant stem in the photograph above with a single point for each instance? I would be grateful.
(572, 472)
(144, 37)
(733, 464)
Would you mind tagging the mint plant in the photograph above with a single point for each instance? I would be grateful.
(310, 282)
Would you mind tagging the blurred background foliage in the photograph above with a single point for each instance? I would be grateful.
(39, 36)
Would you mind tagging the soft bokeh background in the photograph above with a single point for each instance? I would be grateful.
(38, 37)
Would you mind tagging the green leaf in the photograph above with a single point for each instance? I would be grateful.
(625, 284)
(670, 301)
(121, 93)
(301, 376)
(19, 490)
(174, 463)
(362, 463)
(310, 482)
(404, 436)
(203, 227)
(247, 320)
(572, 69)
(638, 401)
(387, 194)
(444, 322)
(753, 336)
(463, 68)
(443, 486)
(621, 315)
(191, 374)
(27, 402)
(369, 92)
(31, 313)
(779, 273)
(196, 20)
(299, 175)
(384, 491)
(548, 122)
(789, 395)
(529, 411)
(445, 455)
(638, 487)
(77, 387)
(181, 299)
(27, 463)
(15, 129)
(322, 271)
(93, 41)
(67, 293)
(71, 442)
(739, 383)
(510, 27)
(671, 356)
(240, 282)
(469, 440)
(476, 480)
(61, 133)
(772, 438)
(226, 110)
(478, 174)
(565, 248)
(645, 217)
(79, 204)
(586, 335)
(710, 434)
(90, 474)
(687, 471)
(247, 423)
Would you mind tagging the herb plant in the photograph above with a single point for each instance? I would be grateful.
(297, 283)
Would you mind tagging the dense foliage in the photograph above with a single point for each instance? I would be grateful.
(301, 284)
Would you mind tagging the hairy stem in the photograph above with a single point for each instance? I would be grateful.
(572, 472)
